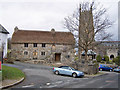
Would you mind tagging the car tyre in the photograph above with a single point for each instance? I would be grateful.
(74, 75)
(101, 69)
(57, 72)
(110, 70)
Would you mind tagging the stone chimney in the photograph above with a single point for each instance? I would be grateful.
(16, 29)
(53, 31)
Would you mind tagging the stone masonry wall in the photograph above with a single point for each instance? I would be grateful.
(67, 52)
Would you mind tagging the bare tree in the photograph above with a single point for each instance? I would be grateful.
(9, 43)
(88, 24)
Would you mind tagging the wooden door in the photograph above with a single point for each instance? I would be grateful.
(57, 56)
(35, 55)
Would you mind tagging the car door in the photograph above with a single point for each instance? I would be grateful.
(107, 68)
(103, 67)
(66, 70)
(61, 70)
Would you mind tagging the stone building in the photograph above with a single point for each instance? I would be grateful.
(3, 41)
(109, 48)
(50, 46)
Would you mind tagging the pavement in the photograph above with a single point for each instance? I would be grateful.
(40, 76)
(9, 83)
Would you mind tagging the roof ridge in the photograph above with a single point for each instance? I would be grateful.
(31, 36)
(41, 31)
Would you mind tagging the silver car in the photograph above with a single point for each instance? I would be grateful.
(117, 69)
(66, 70)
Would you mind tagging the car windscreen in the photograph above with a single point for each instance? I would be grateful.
(60, 67)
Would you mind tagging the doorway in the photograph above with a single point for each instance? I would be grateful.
(111, 57)
(57, 56)
(35, 54)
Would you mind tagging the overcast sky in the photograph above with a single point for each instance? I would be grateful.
(47, 14)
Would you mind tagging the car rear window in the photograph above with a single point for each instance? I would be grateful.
(65, 67)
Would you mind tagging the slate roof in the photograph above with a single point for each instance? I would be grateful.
(28, 36)
(3, 30)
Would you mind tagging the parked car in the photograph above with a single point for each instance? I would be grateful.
(117, 69)
(66, 70)
(103, 67)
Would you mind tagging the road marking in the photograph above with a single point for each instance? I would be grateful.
(40, 87)
(91, 82)
(68, 80)
(109, 81)
(82, 85)
(27, 86)
(52, 86)
(47, 84)
(58, 82)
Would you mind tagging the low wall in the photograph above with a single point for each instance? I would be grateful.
(86, 68)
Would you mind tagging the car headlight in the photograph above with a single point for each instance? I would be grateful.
(82, 73)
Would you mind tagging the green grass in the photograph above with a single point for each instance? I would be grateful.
(11, 73)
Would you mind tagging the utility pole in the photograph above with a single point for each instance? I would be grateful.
(79, 48)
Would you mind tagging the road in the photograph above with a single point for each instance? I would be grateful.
(40, 76)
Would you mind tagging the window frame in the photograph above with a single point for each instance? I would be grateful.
(43, 45)
(25, 53)
(43, 53)
(34, 44)
(25, 44)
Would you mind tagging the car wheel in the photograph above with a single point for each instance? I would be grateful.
(101, 69)
(74, 75)
(56, 72)
(110, 70)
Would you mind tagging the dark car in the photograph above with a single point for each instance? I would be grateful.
(103, 67)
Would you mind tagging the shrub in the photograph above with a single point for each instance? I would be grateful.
(106, 58)
(8, 59)
(76, 58)
(117, 60)
(94, 61)
(102, 62)
(98, 58)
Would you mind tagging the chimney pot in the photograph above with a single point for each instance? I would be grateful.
(16, 29)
